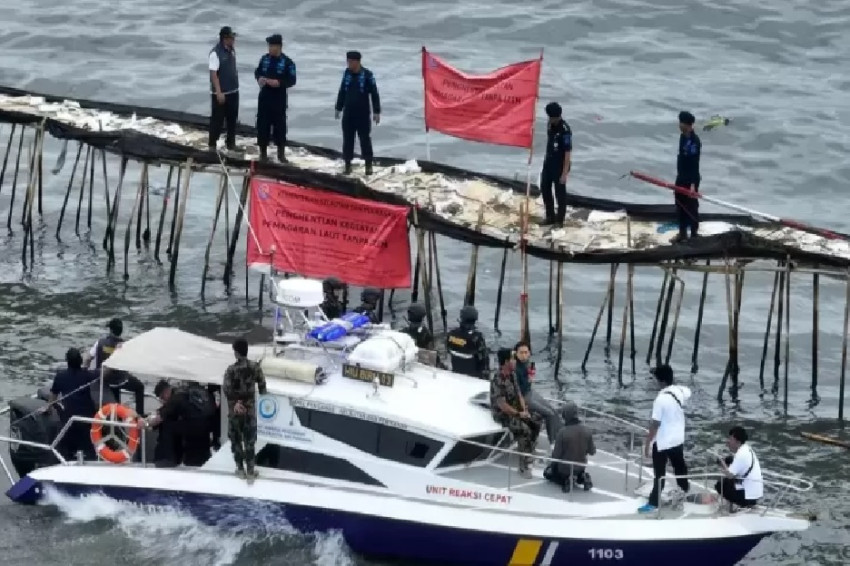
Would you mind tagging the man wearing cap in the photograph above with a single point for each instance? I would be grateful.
(556, 165)
(687, 176)
(358, 87)
(224, 86)
(275, 74)
(114, 379)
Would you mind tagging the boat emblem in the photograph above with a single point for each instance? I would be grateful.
(268, 408)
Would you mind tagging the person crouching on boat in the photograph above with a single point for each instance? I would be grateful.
(574, 443)
(665, 440)
(275, 74)
(524, 369)
(369, 303)
(467, 347)
(183, 420)
(116, 380)
(241, 382)
(331, 306)
(743, 484)
(509, 410)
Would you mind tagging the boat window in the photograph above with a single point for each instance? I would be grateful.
(311, 463)
(384, 441)
(464, 453)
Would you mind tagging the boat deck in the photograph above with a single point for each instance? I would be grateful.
(612, 483)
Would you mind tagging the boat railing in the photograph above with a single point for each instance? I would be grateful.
(53, 446)
(783, 485)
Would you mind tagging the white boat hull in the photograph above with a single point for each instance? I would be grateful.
(417, 530)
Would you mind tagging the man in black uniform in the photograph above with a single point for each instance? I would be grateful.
(556, 165)
(368, 303)
(331, 306)
(687, 176)
(183, 420)
(416, 328)
(467, 347)
(116, 380)
(357, 88)
(275, 74)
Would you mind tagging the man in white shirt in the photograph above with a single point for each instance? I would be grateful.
(666, 438)
(224, 89)
(743, 484)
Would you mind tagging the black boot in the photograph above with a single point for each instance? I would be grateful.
(347, 168)
(281, 155)
(264, 154)
(368, 169)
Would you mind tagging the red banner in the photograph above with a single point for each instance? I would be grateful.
(316, 233)
(494, 108)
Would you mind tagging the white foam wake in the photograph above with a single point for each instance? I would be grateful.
(165, 535)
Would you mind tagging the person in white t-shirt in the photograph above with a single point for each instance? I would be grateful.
(743, 484)
(665, 441)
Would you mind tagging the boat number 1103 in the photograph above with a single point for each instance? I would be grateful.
(605, 553)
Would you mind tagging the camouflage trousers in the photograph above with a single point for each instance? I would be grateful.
(242, 432)
(525, 431)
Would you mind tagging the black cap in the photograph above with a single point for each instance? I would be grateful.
(686, 117)
(468, 314)
(553, 110)
(504, 355)
(274, 39)
(161, 387)
(115, 326)
(353, 55)
(226, 31)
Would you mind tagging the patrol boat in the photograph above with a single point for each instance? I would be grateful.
(357, 435)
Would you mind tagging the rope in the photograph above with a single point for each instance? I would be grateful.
(239, 202)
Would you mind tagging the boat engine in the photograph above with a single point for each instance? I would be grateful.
(27, 423)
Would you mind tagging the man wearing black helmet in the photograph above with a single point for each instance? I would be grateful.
(467, 347)
(556, 165)
(275, 74)
(115, 380)
(331, 306)
(369, 302)
(416, 327)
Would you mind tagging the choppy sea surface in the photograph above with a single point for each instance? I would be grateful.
(621, 69)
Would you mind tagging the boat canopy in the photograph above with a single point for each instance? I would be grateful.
(174, 354)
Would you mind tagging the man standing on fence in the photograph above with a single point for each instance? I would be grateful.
(275, 74)
(556, 165)
(358, 87)
(224, 88)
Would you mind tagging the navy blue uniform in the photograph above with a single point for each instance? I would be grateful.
(687, 175)
(72, 387)
(272, 103)
(559, 143)
(355, 93)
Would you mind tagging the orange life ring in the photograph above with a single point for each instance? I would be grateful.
(115, 412)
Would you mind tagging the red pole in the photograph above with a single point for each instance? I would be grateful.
(829, 234)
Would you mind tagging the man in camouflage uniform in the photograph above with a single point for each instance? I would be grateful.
(240, 383)
(509, 409)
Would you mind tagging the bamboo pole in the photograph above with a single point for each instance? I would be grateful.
(560, 318)
(91, 192)
(815, 316)
(140, 209)
(662, 329)
(787, 330)
(162, 215)
(658, 307)
(113, 220)
(423, 270)
(780, 311)
(443, 312)
(631, 298)
(29, 200)
(469, 298)
(6, 155)
(701, 309)
(68, 191)
(524, 330)
(106, 234)
(767, 330)
(841, 382)
(675, 320)
(551, 289)
(611, 288)
(237, 225)
(175, 252)
(501, 288)
(596, 325)
(40, 163)
(89, 156)
(137, 204)
(222, 190)
(15, 179)
(174, 214)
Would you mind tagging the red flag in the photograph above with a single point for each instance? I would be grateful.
(317, 233)
(495, 108)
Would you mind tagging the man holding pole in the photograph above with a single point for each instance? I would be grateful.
(687, 176)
